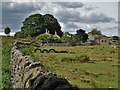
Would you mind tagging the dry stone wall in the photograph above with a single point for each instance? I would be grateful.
(26, 73)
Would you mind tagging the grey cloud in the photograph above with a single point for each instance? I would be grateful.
(117, 22)
(70, 4)
(110, 32)
(16, 7)
(75, 16)
(109, 28)
(90, 7)
(13, 15)
(0, 16)
(94, 17)
(72, 25)
(66, 13)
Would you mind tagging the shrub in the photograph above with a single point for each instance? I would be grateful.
(84, 58)
(112, 51)
(81, 58)
(44, 38)
(25, 50)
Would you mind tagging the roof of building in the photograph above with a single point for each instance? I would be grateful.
(99, 36)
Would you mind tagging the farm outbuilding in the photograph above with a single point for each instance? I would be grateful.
(102, 40)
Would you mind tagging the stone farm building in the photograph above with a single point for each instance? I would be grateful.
(102, 40)
(92, 40)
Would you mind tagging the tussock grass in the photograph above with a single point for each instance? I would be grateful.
(99, 70)
(99, 61)
(81, 58)
(6, 74)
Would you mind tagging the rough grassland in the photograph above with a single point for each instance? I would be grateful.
(100, 72)
(5, 48)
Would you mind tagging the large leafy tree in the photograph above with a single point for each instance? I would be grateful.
(52, 25)
(19, 34)
(69, 38)
(82, 36)
(66, 37)
(95, 32)
(7, 31)
(115, 37)
(36, 24)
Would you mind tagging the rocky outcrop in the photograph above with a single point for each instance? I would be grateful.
(26, 73)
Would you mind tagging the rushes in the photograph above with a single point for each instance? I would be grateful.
(81, 58)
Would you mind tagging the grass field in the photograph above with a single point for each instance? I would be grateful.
(82, 66)
(0, 63)
(101, 71)
(5, 48)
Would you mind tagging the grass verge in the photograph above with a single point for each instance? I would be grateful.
(6, 74)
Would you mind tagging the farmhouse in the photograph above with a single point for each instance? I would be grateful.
(113, 41)
(47, 39)
(102, 40)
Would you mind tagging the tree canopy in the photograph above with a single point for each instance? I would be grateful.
(7, 30)
(47, 38)
(36, 24)
(95, 32)
(82, 36)
(115, 37)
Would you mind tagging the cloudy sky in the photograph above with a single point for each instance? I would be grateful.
(71, 15)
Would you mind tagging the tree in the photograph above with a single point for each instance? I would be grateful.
(19, 34)
(36, 24)
(69, 38)
(115, 38)
(82, 36)
(44, 38)
(47, 38)
(7, 31)
(66, 37)
(52, 25)
(55, 39)
(95, 32)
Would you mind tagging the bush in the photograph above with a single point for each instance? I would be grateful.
(81, 58)
(84, 58)
(112, 51)
(25, 50)
(44, 38)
